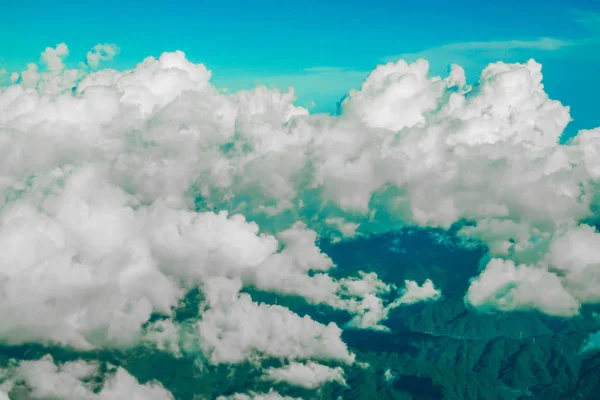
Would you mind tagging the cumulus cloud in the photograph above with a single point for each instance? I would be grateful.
(75, 270)
(508, 287)
(388, 375)
(310, 375)
(372, 312)
(413, 293)
(93, 242)
(234, 329)
(271, 395)
(101, 52)
(52, 58)
(77, 380)
(122, 191)
(565, 274)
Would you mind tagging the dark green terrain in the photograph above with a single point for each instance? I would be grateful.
(436, 350)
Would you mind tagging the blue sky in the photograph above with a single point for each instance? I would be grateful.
(323, 48)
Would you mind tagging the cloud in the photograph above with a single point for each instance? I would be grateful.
(53, 58)
(123, 191)
(310, 375)
(235, 329)
(509, 287)
(589, 19)
(323, 69)
(388, 375)
(44, 378)
(592, 343)
(575, 256)
(271, 395)
(376, 312)
(413, 293)
(93, 242)
(568, 270)
(101, 52)
(327, 84)
(77, 272)
(543, 43)
(472, 56)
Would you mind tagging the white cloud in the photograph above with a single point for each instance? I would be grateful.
(77, 271)
(72, 380)
(413, 293)
(379, 98)
(566, 264)
(101, 52)
(271, 395)
(592, 343)
(508, 287)
(53, 58)
(323, 69)
(388, 375)
(115, 186)
(92, 242)
(589, 19)
(575, 255)
(310, 375)
(543, 43)
(165, 335)
(30, 76)
(328, 84)
(234, 329)
(85, 245)
(373, 312)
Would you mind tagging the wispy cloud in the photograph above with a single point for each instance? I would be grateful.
(324, 69)
(542, 44)
(465, 53)
(588, 19)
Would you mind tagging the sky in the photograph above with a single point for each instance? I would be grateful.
(143, 206)
(322, 49)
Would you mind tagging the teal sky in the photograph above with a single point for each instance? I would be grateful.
(320, 48)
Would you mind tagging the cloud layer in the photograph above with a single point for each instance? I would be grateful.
(43, 379)
(123, 191)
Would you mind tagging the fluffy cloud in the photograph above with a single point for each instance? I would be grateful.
(310, 375)
(86, 265)
(413, 293)
(372, 311)
(507, 287)
(565, 275)
(75, 269)
(388, 375)
(234, 329)
(121, 191)
(42, 379)
(101, 52)
(53, 58)
(271, 395)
